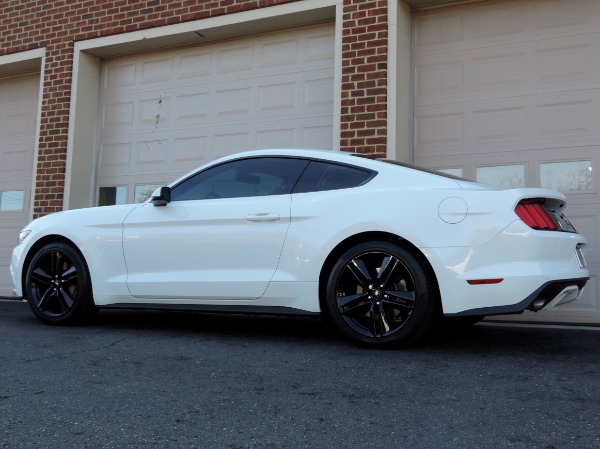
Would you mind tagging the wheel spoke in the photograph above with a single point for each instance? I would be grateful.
(41, 278)
(360, 271)
(55, 259)
(65, 299)
(45, 298)
(69, 276)
(43, 285)
(401, 299)
(385, 326)
(388, 265)
(373, 321)
(350, 303)
(379, 325)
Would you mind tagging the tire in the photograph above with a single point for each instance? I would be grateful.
(58, 287)
(381, 295)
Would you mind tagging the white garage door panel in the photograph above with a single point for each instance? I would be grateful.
(520, 68)
(138, 153)
(167, 112)
(502, 22)
(550, 120)
(509, 92)
(298, 95)
(18, 112)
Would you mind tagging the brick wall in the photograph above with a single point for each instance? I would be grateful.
(56, 25)
(364, 77)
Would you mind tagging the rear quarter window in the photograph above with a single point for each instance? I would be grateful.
(320, 176)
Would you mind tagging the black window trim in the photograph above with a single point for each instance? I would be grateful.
(411, 166)
(373, 173)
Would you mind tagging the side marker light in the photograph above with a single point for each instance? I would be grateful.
(484, 281)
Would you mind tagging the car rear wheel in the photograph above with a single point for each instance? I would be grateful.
(58, 286)
(379, 294)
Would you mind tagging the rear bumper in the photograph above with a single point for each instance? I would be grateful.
(532, 270)
(557, 293)
(551, 294)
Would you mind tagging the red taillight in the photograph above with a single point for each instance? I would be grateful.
(536, 216)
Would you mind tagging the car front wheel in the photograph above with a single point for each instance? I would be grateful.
(58, 286)
(379, 294)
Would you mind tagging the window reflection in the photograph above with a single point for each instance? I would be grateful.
(567, 176)
(109, 196)
(142, 192)
(12, 200)
(504, 176)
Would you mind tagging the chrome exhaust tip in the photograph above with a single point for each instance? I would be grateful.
(538, 304)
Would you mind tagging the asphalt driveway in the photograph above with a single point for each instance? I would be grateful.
(173, 380)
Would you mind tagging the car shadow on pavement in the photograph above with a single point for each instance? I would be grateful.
(479, 337)
(216, 324)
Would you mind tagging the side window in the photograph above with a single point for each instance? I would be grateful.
(242, 178)
(320, 176)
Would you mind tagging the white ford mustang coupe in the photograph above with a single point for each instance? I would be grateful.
(382, 249)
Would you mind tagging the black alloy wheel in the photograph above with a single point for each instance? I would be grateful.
(380, 294)
(58, 286)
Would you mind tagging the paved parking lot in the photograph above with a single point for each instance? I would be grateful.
(172, 380)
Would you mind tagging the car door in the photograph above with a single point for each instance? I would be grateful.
(219, 238)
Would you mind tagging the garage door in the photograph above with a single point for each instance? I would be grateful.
(165, 113)
(18, 112)
(508, 93)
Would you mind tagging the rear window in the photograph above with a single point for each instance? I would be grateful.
(320, 176)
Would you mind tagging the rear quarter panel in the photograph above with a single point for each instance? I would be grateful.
(483, 235)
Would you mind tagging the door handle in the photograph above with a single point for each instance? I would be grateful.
(262, 217)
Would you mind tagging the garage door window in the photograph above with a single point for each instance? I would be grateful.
(109, 196)
(12, 200)
(142, 192)
(505, 176)
(567, 176)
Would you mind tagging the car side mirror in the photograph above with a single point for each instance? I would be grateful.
(162, 196)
